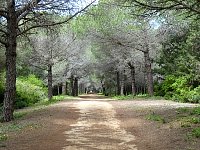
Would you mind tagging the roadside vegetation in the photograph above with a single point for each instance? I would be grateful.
(185, 118)
(136, 97)
(16, 125)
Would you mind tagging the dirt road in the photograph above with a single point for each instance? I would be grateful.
(95, 123)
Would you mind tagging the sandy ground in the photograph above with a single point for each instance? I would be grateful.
(93, 122)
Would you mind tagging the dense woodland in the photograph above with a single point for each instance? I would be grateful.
(116, 47)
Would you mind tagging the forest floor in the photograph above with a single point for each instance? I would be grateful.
(93, 122)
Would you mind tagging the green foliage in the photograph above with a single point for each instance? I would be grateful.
(196, 132)
(3, 137)
(123, 97)
(194, 95)
(189, 121)
(195, 111)
(189, 118)
(32, 79)
(155, 117)
(179, 89)
(179, 61)
(18, 115)
(30, 90)
(55, 99)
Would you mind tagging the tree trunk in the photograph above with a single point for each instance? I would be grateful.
(64, 88)
(72, 85)
(118, 83)
(50, 88)
(58, 88)
(133, 87)
(75, 87)
(133, 80)
(148, 73)
(122, 83)
(10, 86)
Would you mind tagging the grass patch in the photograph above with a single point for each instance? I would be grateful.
(19, 114)
(195, 111)
(189, 118)
(196, 132)
(3, 137)
(139, 96)
(123, 97)
(182, 110)
(6, 128)
(55, 99)
(155, 117)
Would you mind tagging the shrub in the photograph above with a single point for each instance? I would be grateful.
(196, 132)
(178, 89)
(32, 79)
(30, 90)
(194, 95)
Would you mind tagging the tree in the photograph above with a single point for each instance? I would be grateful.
(49, 50)
(18, 18)
(122, 38)
(185, 7)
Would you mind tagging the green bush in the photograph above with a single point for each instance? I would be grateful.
(32, 79)
(194, 95)
(179, 89)
(196, 132)
(30, 90)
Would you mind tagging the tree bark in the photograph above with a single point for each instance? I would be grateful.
(118, 83)
(75, 86)
(58, 88)
(122, 83)
(64, 88)
(11, 45)
(72, 85)
(148, 73)
(50, 88)
(132, 79)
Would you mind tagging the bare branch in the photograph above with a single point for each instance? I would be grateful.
(57, 23)
(3, 13)
(27, 8)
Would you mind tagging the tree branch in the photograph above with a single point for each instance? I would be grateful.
(3, 13)
(57, 23)
(27, 8)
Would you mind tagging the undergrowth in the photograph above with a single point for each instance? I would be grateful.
(139, 96)
(188, 118)
(155, 117)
